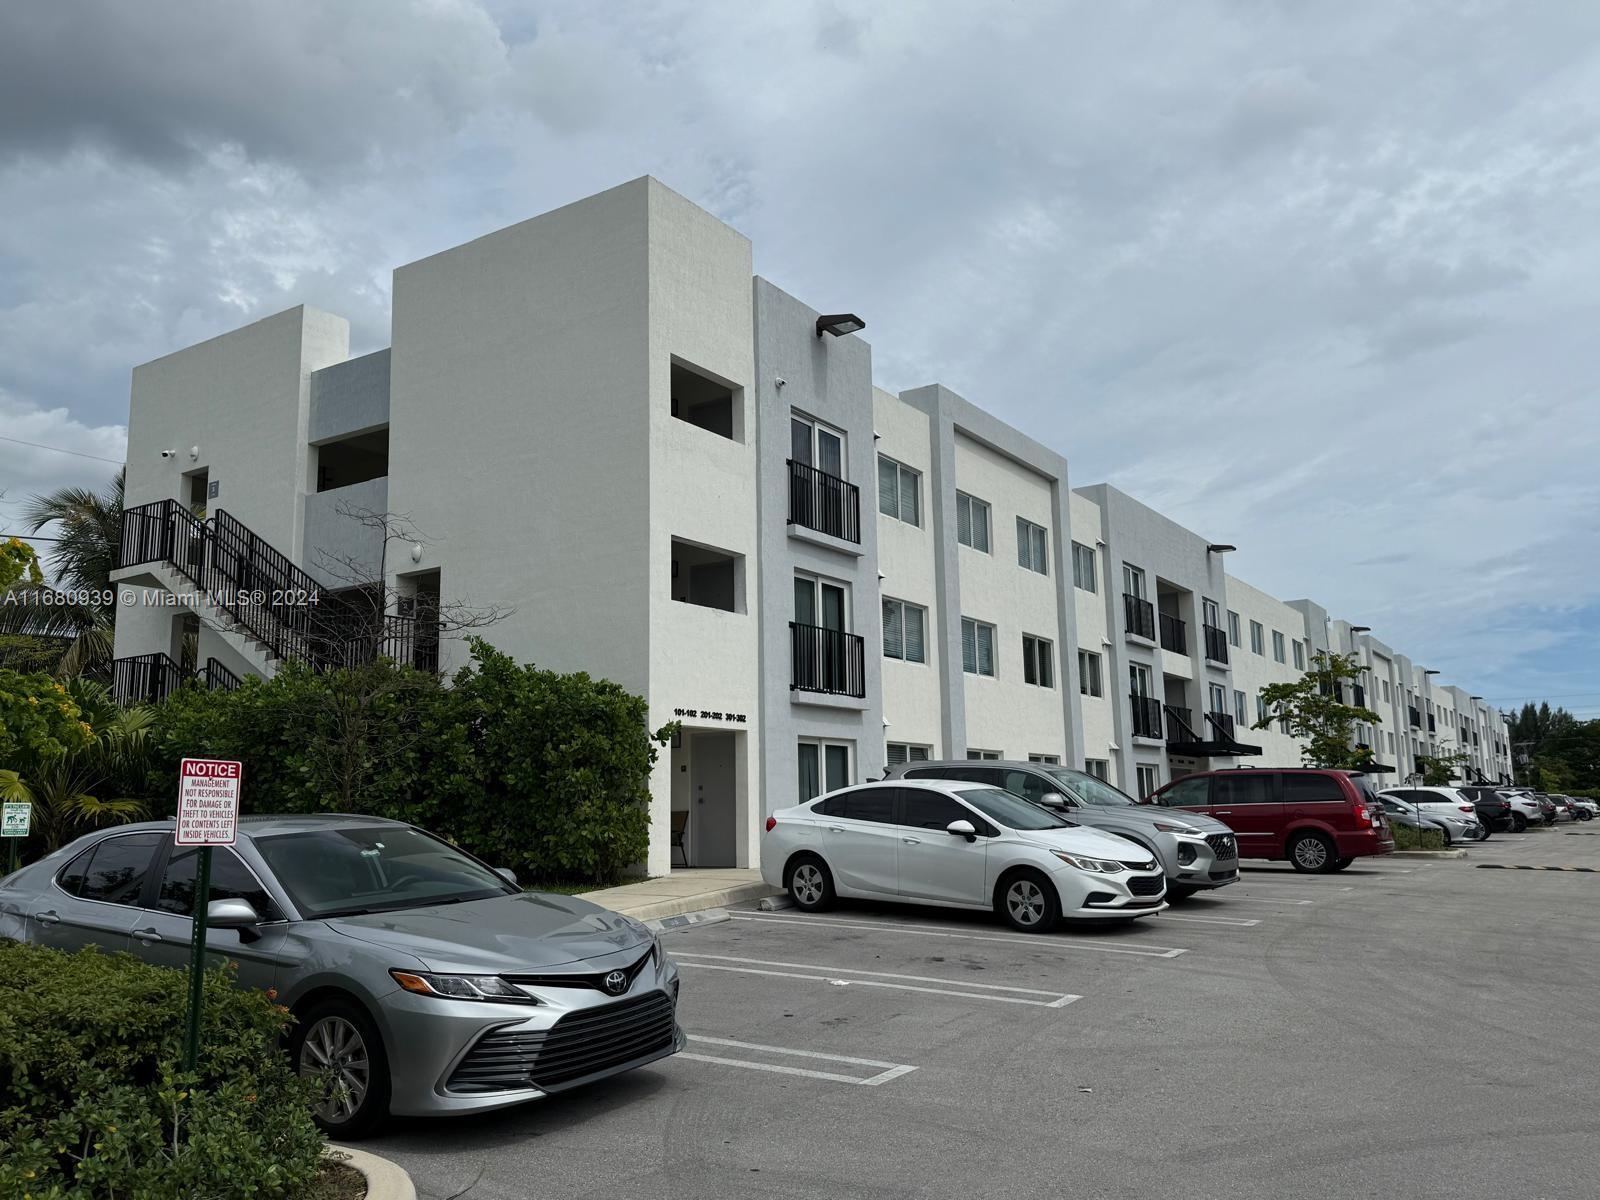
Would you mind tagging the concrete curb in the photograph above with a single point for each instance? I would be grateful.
(700, 902)
(1449, 854)
(709, 916)
(385, 1180)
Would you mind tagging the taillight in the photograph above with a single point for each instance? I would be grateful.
(771, 823)
(1361, 813)
(1467, 808)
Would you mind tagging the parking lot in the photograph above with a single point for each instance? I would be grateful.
(1408, 1026)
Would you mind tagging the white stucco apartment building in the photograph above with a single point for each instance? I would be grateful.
(601, 427)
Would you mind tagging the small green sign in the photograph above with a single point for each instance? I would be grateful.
(14, 820)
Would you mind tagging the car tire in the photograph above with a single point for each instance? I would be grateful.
(337, 1037)
(1342, 863)
(1313, 854)
(810, 883)
(1028, 902)
(1519, 823)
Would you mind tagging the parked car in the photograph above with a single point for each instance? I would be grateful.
(956, 845)
(422, 981)
(1455, 826)
(1583, 808)
(1526, 810)
(1453, 811)
(1198, 852)
(1547, 807)
(1566, 810)
(1493, 806)
(1320, 820)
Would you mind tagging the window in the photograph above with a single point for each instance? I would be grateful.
(1049, 759)
(899, 491)
(984, 755)
(1239, 710)
(1217, 698)
(1277, 646)
(709, 403)
(977, 647)
(1098, 767)
(903, 628)
(1261, 707)
(1233, 628)
(1299, 655)
(1390, 736)
(824, 767)
(230, 880)
(972, 522)
(1149, 779)
(921, 808)
(1132, 581)
(1193, 792)
(1209, 613)
(707, 576)
(1386, 690)
(1038, 659)
(1083, 567)
(901, 752)
(1242, 787)
(1311, 789)
(870, 804)
(1030, 546)
(1089, 681)
(813, 444)
(114, 871)
(1258, 638)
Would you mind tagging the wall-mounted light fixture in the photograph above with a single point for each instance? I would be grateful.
(194, 453)
(840, 324)
(416, 552)
(1219, 548)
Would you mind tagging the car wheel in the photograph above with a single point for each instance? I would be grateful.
(1028, 901)
(1518, 823)
(336, 1044)
(810, 884)
(1311, 852)
(1342, 863)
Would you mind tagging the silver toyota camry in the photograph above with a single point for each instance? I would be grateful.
(422, 981)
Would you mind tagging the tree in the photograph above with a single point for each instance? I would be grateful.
(1316, 713)
(81, 607)
(18, 562)
(1437, 770)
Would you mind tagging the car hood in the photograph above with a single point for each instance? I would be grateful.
(532, 931)
(1091, 843)
(1143, 816)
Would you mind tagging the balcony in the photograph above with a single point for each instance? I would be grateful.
(1216, 644)
(1173, 635)
(824, 502)
(1146, 715)
(1140, 618)
(1431, 728)
(1361, 696)
(1177, 719)
(829, 661)
(1416, 718)
(1222, 724)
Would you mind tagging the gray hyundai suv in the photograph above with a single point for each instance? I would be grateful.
(1198, 852)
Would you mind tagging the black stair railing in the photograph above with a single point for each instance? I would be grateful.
(145, 678)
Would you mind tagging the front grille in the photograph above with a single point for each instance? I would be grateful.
(1147, 885)
(1222, 845)
(579, 1045)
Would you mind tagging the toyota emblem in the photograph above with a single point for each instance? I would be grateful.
(616, 983)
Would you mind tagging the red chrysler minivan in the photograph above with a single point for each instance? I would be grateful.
(1319, 820)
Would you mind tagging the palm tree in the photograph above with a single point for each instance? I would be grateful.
(88, 541)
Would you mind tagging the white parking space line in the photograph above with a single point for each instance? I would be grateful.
(888, 1070)
(1240, 922)
(1038, 941)
(1266, 900)
(954, 987)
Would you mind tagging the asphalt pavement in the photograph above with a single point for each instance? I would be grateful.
(1405, 1028)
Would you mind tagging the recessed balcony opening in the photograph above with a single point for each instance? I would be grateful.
(707, 576)
(707, 402)
(354, 459)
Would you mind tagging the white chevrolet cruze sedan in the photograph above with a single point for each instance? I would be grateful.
(959, 845)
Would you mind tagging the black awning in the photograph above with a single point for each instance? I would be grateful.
(1213, 749)
(1376, 769)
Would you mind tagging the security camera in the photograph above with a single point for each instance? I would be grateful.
(168, 453)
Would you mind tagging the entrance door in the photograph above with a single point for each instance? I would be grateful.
(713, 794)
(821, 604)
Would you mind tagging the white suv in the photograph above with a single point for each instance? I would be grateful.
(958, 845)
(1455, 813)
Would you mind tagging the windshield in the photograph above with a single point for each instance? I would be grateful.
(346, 872)
(1090, 790)
(1005, 809)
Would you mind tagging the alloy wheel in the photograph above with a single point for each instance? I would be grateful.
(807, 883)
(1311, 853)
(335, 1054)
(1025, 902)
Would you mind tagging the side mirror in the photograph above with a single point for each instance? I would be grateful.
(1056, 800)
(507, 874)
(964, 829)
(231, 914)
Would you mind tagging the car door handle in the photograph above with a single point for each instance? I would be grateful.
(912, 841)
(147, 935)
(47, 918)
(1222, 812)
(835, 828)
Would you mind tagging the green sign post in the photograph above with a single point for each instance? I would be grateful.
(208, 815)
(14, 824)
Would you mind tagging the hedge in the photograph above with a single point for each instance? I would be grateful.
(93, 1105)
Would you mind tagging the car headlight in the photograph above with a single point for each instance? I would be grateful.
(1169, 827)
(462, 987)
(1100, 866)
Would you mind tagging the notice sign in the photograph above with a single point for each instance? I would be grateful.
(15, 820)
(208, 802)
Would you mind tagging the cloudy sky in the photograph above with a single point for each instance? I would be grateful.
(1315, 279)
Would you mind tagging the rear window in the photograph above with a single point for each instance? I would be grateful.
(1311, 789)
(117, 868)
(873, 804)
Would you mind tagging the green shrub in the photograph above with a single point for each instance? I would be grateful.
(1406, 838)
(92, 1104)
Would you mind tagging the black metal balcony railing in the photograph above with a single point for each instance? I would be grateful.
(824, 502)
(1431, 728)
(1222, 724)
(1140, 616)
(1216, 644)
(1179, 722)
(1173, 635)
(145, 678)
(826, 660)
(1360, 695)
(1146, 716)
(1416, 718)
